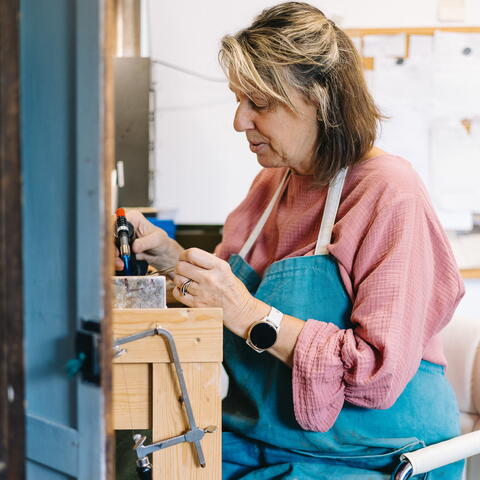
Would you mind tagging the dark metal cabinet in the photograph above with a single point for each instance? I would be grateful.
(132, 121)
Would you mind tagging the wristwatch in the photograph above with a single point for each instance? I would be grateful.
(263, 334)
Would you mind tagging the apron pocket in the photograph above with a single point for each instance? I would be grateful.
(374, 458)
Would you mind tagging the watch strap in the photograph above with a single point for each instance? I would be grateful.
(274, 317)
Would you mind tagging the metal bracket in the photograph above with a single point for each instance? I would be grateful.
(194, 434)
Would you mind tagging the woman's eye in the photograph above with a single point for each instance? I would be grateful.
(257, 106)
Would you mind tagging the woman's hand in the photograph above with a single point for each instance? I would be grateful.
(214, 285)
(151, 244)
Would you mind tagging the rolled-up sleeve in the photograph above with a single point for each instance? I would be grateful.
(406, 287)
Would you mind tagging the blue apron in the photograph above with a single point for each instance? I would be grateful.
(262, 439)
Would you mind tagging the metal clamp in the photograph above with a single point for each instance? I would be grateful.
(194, 434)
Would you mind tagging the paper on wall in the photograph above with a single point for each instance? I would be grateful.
(384, 45)
(456, 91)
(456, 76)
(459, 221)
(466, 249)
(421, 47)
(455, 166)
(407, 79)
(405, 134)
(403, 93)
(453, 47)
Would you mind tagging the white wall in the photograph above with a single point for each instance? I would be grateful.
(204, 167)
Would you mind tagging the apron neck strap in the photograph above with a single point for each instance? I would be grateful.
(263, 219)
(330, 212)
(328, 220)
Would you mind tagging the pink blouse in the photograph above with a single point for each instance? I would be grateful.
(397, 267)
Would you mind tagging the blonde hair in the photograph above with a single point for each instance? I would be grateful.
(294, 44)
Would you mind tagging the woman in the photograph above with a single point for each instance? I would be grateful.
(334, 263)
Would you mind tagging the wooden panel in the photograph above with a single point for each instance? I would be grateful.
(89, 220)
(169, 419)
(131, 394)
(471, 273)
(108, 153)
(63, 177)
(48, 128)
(198, 334)
(56, 446)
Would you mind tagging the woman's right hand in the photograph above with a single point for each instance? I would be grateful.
(151, 243)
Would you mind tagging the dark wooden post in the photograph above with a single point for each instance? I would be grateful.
(12, 433)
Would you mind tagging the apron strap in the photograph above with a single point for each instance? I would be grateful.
(263, 219)
(328, 220)
(330, 212)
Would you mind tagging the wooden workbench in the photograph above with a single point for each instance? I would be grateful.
(146, 392)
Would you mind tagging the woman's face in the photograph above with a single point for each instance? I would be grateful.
(279, 137)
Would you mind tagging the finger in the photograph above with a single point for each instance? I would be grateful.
(135, 218)
(185, 299)
(192, 288)
(119, 264)
(148, 242)
(199, 257)
(179, 280)
(188, 270)
(145, 256)
(141, 224)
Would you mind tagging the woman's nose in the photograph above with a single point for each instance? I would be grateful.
(243, 119)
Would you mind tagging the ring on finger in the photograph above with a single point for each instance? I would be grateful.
(184, 287)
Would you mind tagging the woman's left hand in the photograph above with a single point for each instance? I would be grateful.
(214, 285)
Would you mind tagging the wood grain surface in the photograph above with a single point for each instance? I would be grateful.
(169, 419)
(132, 390)
(198, 334)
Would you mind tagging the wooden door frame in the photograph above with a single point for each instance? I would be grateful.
(108, 152)
(12, 431)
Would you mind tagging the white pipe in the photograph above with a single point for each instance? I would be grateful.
(444, 453)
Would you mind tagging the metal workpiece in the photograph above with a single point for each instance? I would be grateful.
(147, 291)
(194, 434)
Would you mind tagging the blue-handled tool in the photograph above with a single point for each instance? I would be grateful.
(124, 237)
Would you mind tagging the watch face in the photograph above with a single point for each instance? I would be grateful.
(263, 335)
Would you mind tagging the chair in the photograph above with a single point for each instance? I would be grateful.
(462, 348)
